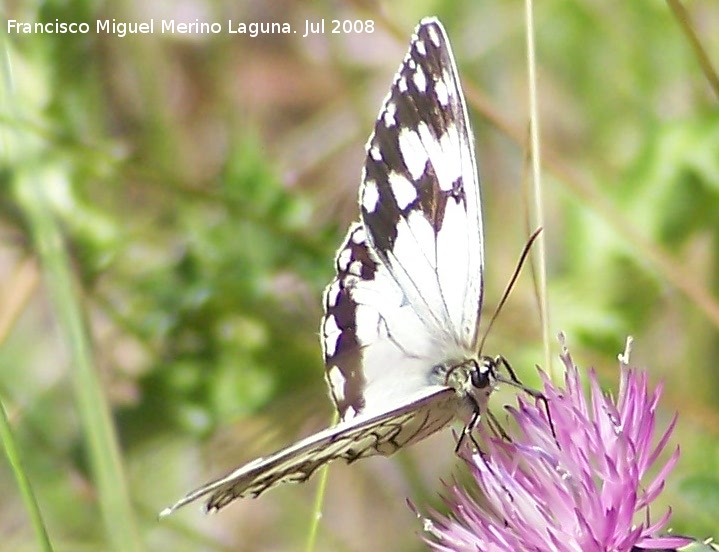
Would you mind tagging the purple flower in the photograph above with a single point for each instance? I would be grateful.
(581, 488)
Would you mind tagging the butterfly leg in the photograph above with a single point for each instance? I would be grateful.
(537, 395)
(501, 359)
(469, 427)
(467, 431)
(496, 427)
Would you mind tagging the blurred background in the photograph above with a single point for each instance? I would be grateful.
(171, 205)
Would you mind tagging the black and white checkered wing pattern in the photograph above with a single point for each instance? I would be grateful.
(409, 276)
(360, 437)
(420, 198)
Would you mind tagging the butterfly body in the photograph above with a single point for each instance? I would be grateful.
(399, 333)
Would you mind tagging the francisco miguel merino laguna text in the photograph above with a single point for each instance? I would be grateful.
(123, 28)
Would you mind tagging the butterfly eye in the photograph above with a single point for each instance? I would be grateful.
(480, 376)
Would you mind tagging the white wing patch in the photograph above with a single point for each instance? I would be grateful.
(370, 197)
(413, 152)
(404, 192)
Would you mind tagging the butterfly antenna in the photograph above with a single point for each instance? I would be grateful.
(510, 285)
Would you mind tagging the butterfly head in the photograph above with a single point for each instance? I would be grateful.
(483, 373)
(474, 376)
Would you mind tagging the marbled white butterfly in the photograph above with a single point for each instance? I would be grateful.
(400, 329)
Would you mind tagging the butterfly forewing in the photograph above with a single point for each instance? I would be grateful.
(420, 198)
(409, 276)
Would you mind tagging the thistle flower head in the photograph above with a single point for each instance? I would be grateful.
(581, 487)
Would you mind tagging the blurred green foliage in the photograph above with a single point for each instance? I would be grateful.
(203, 183)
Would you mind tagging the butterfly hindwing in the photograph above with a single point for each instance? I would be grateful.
(377, 351)
(360, 437)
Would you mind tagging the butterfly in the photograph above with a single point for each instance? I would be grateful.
(400, 328)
